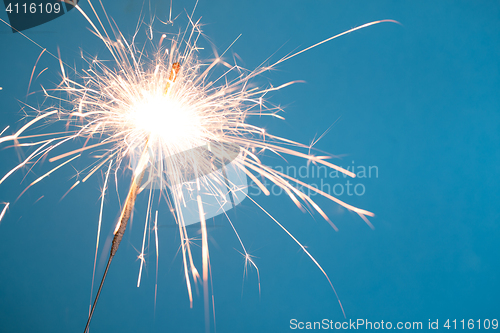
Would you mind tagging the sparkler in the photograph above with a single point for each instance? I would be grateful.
(130, 201)
(166, 108)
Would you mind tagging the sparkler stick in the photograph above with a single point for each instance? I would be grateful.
(128, 207)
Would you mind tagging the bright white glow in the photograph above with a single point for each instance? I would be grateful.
(165, 118)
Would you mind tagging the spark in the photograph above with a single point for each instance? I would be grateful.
(29, 124)
(157, 255)
(33, 71)
(4, 210)
(205, 258)
(104, 188)
(166, 115)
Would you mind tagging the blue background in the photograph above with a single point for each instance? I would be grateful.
(418, 100)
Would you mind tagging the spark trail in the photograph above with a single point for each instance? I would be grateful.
(4, 210)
